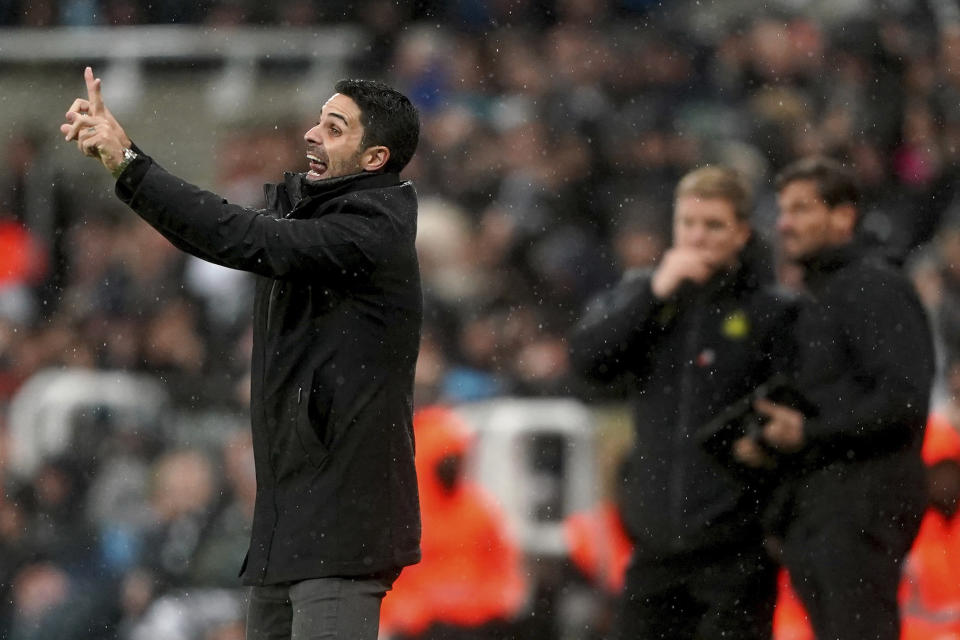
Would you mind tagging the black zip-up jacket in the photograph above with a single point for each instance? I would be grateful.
(336, 322)
(689, 357)
(868, 365)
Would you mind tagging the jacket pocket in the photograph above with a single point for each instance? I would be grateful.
(313, 416)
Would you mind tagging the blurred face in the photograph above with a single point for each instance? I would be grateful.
(953, 381)
(805, 223)
(449, 470)
(943, 484)
(333, 144)
(709, 226)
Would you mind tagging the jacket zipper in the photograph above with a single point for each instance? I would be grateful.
(681, 434)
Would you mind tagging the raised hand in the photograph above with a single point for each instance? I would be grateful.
(680, 264)
(96, 131)
(748, 451)
(784, 431)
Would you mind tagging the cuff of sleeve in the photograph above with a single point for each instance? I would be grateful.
(131, 177)
(647, 306)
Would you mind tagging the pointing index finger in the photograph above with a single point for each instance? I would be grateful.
(93, 92)
(767, 408)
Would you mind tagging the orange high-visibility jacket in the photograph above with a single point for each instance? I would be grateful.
(472, 571)
(599, 546)
(930, 589)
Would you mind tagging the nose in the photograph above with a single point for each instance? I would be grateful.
(312, 135)
(697, 235)
(783, 223)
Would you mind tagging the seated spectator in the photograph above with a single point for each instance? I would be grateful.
(22, 265)
(182, 505)
(215, 562)
(15, 552)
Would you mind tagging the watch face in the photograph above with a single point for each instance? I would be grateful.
(129, 155)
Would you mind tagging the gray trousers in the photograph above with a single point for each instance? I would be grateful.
(318, 609)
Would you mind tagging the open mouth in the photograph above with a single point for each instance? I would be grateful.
(317, 166)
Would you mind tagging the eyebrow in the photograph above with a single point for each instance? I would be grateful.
(333, 114)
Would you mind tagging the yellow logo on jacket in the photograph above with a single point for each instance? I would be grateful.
(736, 326)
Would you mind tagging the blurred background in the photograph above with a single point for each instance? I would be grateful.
(553, 133)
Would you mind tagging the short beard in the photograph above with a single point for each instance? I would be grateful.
(352, 165)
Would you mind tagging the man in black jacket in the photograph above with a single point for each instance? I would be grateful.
(337, 319)
(695, 335)
(867, 365)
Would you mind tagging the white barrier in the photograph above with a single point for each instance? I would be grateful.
(43, 412)
(537, 457)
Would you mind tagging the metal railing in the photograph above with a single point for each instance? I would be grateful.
(316, 45)
(237, 59)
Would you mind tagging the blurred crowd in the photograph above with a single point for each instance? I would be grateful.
(553, 135)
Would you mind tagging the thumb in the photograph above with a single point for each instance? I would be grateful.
(766, 407)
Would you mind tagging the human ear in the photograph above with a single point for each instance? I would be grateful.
(843, 220)
(744, 231)
(374, 158)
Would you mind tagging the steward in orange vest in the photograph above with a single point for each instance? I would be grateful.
(471, 574)
(930, 588)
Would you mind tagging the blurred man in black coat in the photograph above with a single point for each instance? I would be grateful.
(851, 514)
(337, 319)
(694, 336)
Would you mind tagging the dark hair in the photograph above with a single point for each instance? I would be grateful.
(388, 118)
(835, 183)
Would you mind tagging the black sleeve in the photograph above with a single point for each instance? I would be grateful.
(781, 344)
(340, 246)
(614, 333)
(132, 175)
(885, 394)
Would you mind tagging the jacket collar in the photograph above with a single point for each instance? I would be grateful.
(735, 278)
(829, 259)
(722, 283)
(296, 190)
(753, 270)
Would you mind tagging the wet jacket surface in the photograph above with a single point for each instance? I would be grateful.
(336, 323)
(689, 357)
(867, 364)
